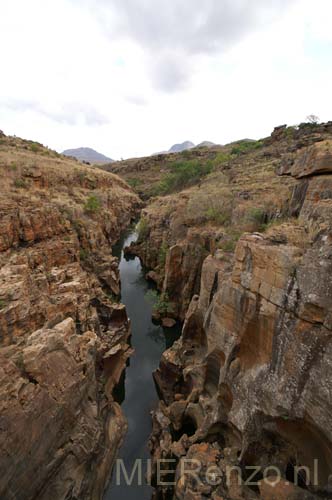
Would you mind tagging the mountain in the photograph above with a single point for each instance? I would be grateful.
(207, 144)
(177, 148)
(87, 154)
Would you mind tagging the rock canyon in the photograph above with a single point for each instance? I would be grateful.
(237, 240)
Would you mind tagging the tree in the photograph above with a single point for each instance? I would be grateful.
(313, 119)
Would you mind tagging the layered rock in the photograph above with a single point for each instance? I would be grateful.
(63, 339)
(248, 384)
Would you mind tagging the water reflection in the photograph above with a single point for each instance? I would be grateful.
(136, 389)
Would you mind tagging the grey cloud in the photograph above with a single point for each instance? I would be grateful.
(183, 29)
(68, 114)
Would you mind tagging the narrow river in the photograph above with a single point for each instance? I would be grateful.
(138, 394)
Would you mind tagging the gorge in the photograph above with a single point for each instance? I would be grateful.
(238, 241)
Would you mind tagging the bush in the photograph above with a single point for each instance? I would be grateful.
(20, 183)
(159, 302)
(245, 146)
(258, 217)
(134, 183)
(92, 205)
(229, 244)
(221, 159)
(84, 254)
(214, 204)
(182, 174)
(143, 229)
(35, 147)
(2, 304)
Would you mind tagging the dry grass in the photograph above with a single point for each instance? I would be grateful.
(30, 173)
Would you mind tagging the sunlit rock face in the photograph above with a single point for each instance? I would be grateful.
(248, 384)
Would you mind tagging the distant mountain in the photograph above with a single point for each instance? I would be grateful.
(207, 144)
(88, 155)
(184, 146)
(177, 148)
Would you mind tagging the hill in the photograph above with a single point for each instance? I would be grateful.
(88, 155)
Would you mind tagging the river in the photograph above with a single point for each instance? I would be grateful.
(137, 393)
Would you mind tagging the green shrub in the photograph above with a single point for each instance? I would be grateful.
(289, 132)
(93, 204)
(84, 254)
(143, 229)
(229, 244)
(35, 147)
(257, 215)
(134, 183)
(215, 215)
(20, 183)
(2, 304)
(246, 146)
(159, 302)
(183, 173)
(221, 159)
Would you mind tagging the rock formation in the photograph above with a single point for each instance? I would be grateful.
(63, 338)
(249, 382)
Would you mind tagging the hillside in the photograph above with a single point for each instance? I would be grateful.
(87, 155)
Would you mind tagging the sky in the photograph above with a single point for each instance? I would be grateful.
(132, 77)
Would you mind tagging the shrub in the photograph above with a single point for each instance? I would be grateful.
(214, 204)
(182, 174)
(93, 204)
(143, 229)
(134, 183)
(20, 183)
(257, 215)
(289, 132)
(84, 254)
(221, 159)
(229, 244)
(2, 304)
(159, 302)
(246, 146)
(35, 147)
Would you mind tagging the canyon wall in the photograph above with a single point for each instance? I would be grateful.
(63, 336)
(249, 382)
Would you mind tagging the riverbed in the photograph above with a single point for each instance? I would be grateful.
(137, 394)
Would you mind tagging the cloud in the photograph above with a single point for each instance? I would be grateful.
(71, 113)
(137, 100)
(173, 34)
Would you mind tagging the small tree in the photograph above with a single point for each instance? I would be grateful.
(313, 119)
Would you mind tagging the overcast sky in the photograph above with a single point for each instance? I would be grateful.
(132, 77)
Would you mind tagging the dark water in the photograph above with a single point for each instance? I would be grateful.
(138, 391)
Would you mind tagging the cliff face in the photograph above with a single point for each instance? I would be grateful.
(243, 193)
(248, 384)
(63, 338)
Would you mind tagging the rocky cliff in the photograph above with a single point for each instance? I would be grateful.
(63, 337)
(242, 193)
(247, 388)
